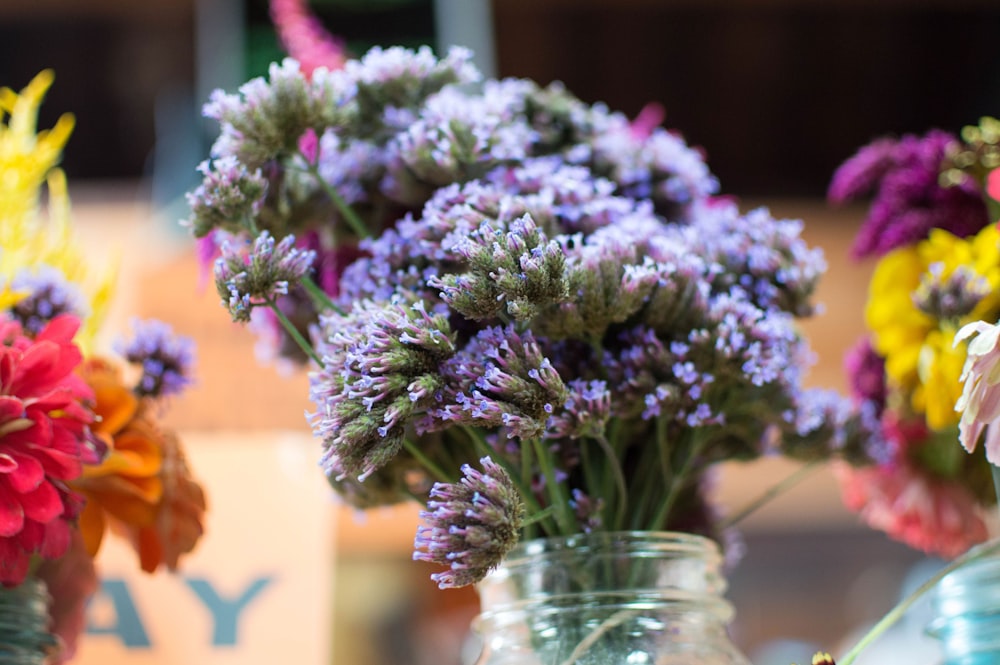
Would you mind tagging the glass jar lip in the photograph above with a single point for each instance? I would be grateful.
(971, 590)
(651, 542)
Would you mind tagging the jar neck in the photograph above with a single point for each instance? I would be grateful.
(966, 607)
(24, 624)
(666, 572)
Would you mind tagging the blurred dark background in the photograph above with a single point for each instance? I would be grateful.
(776, 92)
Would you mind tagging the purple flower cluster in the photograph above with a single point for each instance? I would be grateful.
(500, 379)
(909, 199)
(471, 525)
(517, 272)
(47, 294)
(382, 369)
(246, 281)
(539, 284)
(164, 358)
(952, 297)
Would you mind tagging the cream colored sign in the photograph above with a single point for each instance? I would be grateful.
(258, 587)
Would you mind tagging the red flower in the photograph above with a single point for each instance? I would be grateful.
(43, 439)
(932, 515)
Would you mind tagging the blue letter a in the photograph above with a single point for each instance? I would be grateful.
(126, 623)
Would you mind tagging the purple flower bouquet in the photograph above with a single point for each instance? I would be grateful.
(517, 308)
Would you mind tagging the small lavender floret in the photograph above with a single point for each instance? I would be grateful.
(228, 198)
(267, 117)
(245, 281)
(765, 257)
(471, 525)
(455, 138)
(518, 272)
(48, 294)
(164, 357)
(501, 379)
(381, 372)
(826, 424)
(585, 412)
(587, 510)
(951, 297)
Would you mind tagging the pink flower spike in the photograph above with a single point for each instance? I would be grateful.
(979, 403)
(993, 184)
(309, 145)
(649, 118)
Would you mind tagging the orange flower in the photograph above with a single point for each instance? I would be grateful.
(143, 490)
(126, 487)
(179, 519)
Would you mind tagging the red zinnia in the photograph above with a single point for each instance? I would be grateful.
(43, 440)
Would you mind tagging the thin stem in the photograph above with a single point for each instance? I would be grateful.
(539, 516)
(770, 493)
(294, 333)
(426, 462)
(351, 217)
(564, 518)
(619, 476)
(484, 449)
(615, 620)
(978, 552)
(319, 296)
(677, 481)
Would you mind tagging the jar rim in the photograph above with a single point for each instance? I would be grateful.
(659, 542)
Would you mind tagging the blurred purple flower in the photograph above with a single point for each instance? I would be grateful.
(909, 199)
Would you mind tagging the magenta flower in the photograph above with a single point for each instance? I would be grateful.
(980, 400)
(907, 198)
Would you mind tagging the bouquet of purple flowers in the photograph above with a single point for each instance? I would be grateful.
(519, 309)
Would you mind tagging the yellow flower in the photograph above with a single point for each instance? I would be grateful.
(28, 161)
(940, 372)
(898, 327)
(920, 359)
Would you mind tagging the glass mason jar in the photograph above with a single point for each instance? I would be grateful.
(966, 610)
(619, 598)
(24, 625)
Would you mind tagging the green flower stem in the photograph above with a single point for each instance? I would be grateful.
(619, 477)
(657, 474)
(564, 516)
(660, 519)
(295, 334)
(351, 217)
(979, 552)
(319, 296)
(531, 520)
(426, 462)
(770, 493)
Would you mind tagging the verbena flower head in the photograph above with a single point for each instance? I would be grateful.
(504, 272)
(247, 281)
(471, 525)
(164, 358)
(384, 362)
